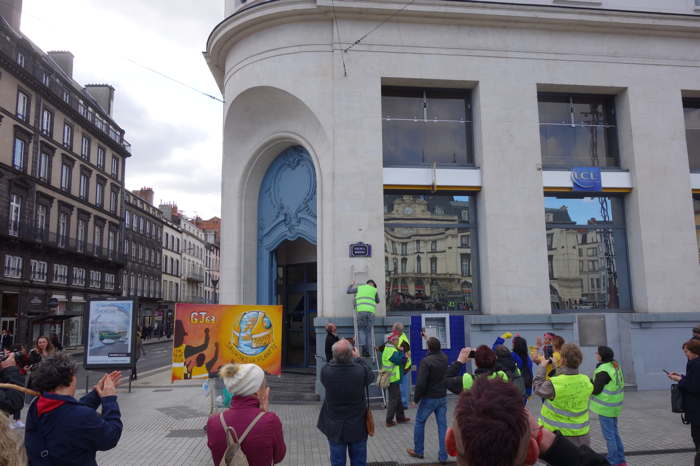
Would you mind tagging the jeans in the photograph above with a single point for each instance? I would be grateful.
(427, 407)
(356, 450)
(394, 406)
(616, 451)
(365, 325)
(406, 389)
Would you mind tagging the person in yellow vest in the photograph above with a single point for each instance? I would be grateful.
(366, 300)
(485, 360)
(606, 402)
(181, 351)
(200, 370)
(392, 361)
(566, 396)
(405, 346)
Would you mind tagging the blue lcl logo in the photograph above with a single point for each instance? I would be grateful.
(586, 179)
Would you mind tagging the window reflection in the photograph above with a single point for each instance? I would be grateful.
(578, 130)
(437, 262)
(691, 109)
(586, 253)
(422, 126)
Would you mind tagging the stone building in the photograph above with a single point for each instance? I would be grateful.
(61, 186)
(143, 230)
(172, 283)
(336, 110)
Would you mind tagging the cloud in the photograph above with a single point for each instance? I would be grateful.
(175, 132)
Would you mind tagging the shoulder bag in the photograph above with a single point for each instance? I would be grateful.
(234, 456)
(677, 402)
(369, 418)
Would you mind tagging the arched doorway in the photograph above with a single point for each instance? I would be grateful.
(287, 250)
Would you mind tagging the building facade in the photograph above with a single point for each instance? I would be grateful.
(445, 134)
(193, 256)
(212, 234)
(143, 230)
(172, 283)
(62, 159)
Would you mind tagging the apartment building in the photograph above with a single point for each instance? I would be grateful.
(143, 230)
(62, 159)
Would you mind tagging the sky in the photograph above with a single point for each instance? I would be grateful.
(175, 132)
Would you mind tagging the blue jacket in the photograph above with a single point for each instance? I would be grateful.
(63, 431)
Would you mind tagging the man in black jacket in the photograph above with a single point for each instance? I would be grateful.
(431, 396)
(491, 426)
(342, 417)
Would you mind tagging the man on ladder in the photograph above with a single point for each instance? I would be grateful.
(366, 300)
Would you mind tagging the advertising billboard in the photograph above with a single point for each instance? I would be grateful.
(207, 336)
(109, 334)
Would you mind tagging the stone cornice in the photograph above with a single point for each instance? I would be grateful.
(262, 15)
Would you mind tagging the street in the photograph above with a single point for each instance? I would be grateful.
(157, 355)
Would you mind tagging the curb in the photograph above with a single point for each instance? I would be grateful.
(82, 352)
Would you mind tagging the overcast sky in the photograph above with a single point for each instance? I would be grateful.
(175, 132)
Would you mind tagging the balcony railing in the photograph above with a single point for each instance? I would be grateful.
(192, 299)
(28, 232)
(193, 275)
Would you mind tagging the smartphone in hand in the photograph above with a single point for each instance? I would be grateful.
(472, 354)
(667, 372)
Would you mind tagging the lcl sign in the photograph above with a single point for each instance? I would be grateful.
(586, 179)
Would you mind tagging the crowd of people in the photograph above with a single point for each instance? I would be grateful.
(519, 405)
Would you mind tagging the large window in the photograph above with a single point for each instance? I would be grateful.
(15, 214)
(691, 109)
(578, 130)
(44, 171)
(19, 153)
(587, 253)
(422, 126)
(23, 105)
(47, 122)
(439, 278)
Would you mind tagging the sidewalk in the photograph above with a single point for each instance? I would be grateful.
(163, 425)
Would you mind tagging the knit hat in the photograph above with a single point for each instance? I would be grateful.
(242, 379)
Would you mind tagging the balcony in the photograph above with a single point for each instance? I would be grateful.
(29, 233)
(192, 299)
(193, 275)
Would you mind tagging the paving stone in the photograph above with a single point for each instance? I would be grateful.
(165, 428)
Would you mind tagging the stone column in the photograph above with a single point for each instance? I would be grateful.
(510, 209)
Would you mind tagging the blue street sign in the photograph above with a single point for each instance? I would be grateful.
(586, 179)
(360, 250)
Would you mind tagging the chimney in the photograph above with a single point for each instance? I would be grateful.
(11, 10)
(145, 193)
(64, 60)
(103, 94)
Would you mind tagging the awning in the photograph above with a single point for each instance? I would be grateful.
(55, 317)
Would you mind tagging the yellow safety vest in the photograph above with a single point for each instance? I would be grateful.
(568, 411)
(468, 379)
(389, 366)
(608, 403)
(179, 362)
(199, 372)
(409, 363)
(366, 299)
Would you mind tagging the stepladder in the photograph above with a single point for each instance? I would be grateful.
(375, 392)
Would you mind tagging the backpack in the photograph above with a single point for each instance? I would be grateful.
(234, 456)
(517, 379)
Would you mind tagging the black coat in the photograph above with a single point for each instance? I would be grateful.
(330, 341)
(431, 381)
(690, 386)
(342, 417)
(11, 401)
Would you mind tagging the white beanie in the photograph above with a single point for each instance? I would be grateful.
(242, 379)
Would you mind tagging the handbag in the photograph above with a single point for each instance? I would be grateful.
(369, 418)
(677, 402)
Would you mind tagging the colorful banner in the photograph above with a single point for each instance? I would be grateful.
(209, 335)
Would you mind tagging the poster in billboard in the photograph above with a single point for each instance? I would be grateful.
(209, 335)
(109, 335)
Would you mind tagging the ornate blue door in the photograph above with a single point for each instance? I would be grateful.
(286, 211)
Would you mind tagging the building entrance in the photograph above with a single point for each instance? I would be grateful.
(296, 291)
